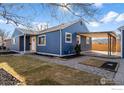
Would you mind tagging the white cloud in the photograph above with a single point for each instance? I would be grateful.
(98, 5)
(2, 21)
(94, 24)
(120, 18)
(110, 16)
(40, 25)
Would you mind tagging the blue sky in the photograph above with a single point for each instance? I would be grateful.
(110, 17)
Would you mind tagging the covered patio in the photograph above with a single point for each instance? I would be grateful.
(110, 35)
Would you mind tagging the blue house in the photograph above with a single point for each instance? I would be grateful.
(57, 41)
(61, 40)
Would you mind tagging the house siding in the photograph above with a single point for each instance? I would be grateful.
(15, 46)
(17, 33)
(52, 43)
(68, 48)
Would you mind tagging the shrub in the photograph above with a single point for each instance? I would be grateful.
(78, 49)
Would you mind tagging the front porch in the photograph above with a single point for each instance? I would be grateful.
(27, 44)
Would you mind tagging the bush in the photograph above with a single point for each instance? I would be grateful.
(78, 49)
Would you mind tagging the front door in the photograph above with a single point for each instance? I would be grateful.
(33, 43)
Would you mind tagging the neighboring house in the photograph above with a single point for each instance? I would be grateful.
(7, 43)
(57, 41)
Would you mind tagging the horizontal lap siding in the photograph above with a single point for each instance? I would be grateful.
(15, 46)
(16, 33)
(68, 48)
(52, 43)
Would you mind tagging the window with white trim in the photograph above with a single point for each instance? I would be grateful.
(68, 37)
(13, 41)
(42, 40)
(87, 40)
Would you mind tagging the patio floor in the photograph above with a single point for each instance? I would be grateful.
(101, 54)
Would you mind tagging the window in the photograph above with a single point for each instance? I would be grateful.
(68, 37)
(87, 40)
(13, 41)
(42, 40)
(78, 39)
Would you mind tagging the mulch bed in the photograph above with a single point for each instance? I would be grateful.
(7, 79)
(71, 56)
(111, 66)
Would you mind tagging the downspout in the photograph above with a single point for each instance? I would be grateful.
(60, 42)
(24, 42)
(122, 43)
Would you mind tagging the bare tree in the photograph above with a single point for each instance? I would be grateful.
(85, 11)
(3, 36)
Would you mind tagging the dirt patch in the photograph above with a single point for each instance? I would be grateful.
(93, 62)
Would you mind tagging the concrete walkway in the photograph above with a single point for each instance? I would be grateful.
(74, 63)
(119, 77)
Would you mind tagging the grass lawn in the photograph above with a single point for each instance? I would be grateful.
(93, 62)
(37, 72)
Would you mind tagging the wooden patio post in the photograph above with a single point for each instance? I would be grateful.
(108, 44)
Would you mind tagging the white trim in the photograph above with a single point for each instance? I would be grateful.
(66, 37)
(48, 53)
(15, 51)
(60, 42)
(13, 40)
(20, 52)
(67, 55)
(45, 40)
(54, 54)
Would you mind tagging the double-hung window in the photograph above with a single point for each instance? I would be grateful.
(68, 37)
(42, 40)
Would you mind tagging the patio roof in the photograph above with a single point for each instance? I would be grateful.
(106, 34)
(98, 34)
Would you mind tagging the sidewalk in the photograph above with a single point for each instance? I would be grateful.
(119, 77)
